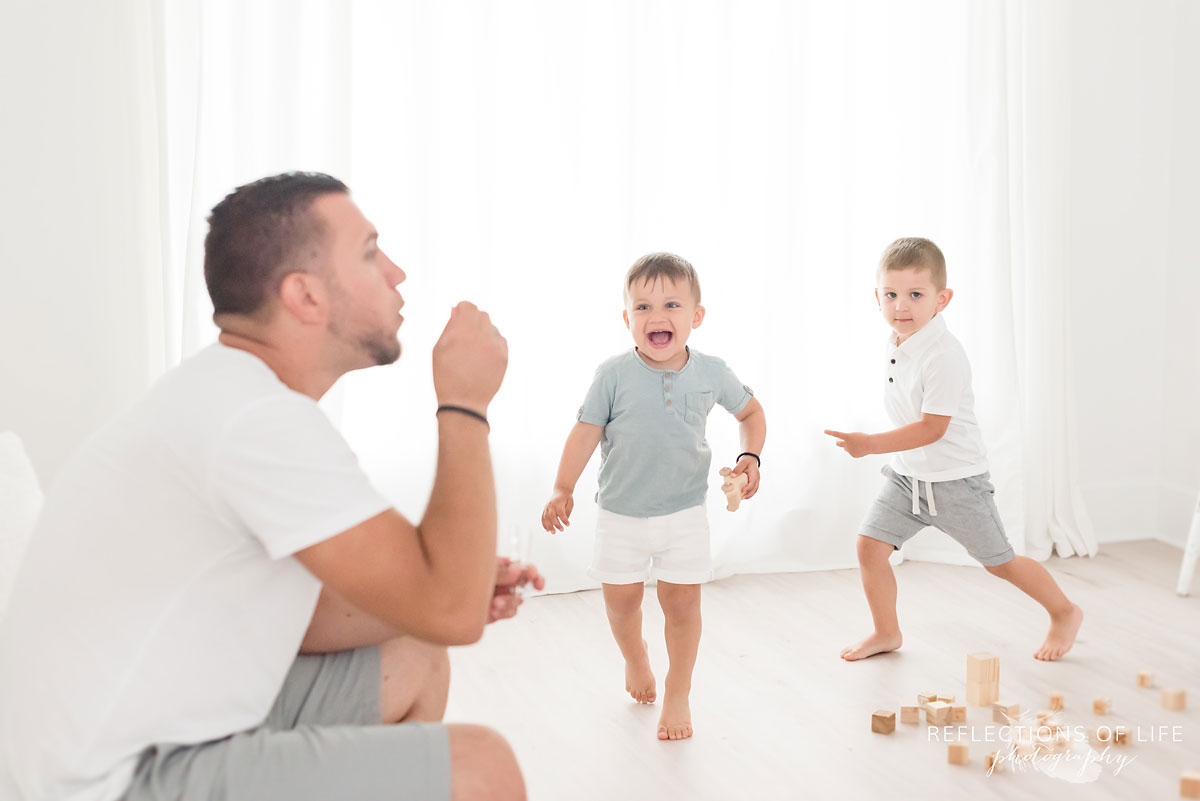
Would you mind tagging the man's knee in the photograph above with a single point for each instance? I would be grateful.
(483, 766)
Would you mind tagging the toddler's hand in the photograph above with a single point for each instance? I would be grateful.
(856, 444)
(749, 466)
(558, 511)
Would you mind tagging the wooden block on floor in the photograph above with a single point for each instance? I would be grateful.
(982, 694)
(937, 713)
(1056, 701)
(1100, 735)
(1120, 736)
(983, 668)
(946, 699)
(1004, 712)
(910, 714)
(958, 713)
(1145, 678)
(1100, 706)
(925, 698)
(958, 754)
(1175, 699)
(1189, 784)
(883, 721)
(992, 762)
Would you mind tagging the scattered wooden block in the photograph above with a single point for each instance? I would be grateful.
(983, 668)
(925, 698)
(883, 721)
(992, 762)
(1100, 735)
(1120, 736)
(1174, 699)
(958, 713)
(946, 699)
(1004, 712)
(910, 714)
(1100, 706)
(1145, 678)
(983, 694)
(958, 754)
(1189, 784)
(1056, 701)
(937, 713)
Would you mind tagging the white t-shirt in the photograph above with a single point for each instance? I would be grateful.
(930, 374)
(158, 601)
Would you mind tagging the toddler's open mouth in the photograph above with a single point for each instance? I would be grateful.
(660, 339)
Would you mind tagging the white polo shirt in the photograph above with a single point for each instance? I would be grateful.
(930, 374)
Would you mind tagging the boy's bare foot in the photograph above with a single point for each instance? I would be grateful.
(1061, 635)
(875, 644)
(675, 723)
(639, 679)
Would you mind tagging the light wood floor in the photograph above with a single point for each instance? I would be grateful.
(778, 715)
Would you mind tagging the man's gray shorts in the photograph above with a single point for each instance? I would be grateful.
(966, 510)
(322, 741)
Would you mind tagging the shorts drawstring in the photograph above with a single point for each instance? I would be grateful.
(916, 497)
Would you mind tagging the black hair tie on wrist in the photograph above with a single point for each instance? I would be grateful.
(748, 453)
(467, 412)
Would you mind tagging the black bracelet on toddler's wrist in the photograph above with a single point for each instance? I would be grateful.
(748, 453)
(467, 412)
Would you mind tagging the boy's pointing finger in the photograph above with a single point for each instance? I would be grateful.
(837, 434)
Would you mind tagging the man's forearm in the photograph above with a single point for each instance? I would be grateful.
(458, 531)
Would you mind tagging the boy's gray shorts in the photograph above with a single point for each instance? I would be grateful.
(966, 510)
(322, 740)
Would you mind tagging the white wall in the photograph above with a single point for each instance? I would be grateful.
(1135, 263)
(78, 220)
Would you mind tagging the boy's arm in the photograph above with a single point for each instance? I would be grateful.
(581, 444)
(753, 429)
(927, 431)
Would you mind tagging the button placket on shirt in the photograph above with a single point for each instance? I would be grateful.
(667, 389)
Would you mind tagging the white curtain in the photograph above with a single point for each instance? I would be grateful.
(522, 155)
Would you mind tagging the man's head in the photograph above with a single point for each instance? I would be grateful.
(295, 244)
(911, 285)
(662, 306)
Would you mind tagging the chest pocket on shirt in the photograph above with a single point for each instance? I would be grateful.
(698, 405)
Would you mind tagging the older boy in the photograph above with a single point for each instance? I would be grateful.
(938, 444)
(649, 406)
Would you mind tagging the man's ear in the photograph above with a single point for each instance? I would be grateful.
(944, 298)
(698, 317)
(625, 317)
(305, 297)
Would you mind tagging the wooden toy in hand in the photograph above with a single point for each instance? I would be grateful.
(733, 487)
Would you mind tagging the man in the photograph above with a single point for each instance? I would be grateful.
(197, 543)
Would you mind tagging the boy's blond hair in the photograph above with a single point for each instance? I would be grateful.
(913, 251)
(653, 266)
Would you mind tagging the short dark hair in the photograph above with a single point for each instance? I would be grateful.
(653, 266)
(256, 234)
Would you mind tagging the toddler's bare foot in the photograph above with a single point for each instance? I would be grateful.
(875, 644)
(676, 720)
(639, 679)
(1061, 636)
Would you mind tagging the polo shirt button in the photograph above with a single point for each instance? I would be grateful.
(667, 387)
(668, 401)
(893, 361)
(889, 381)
